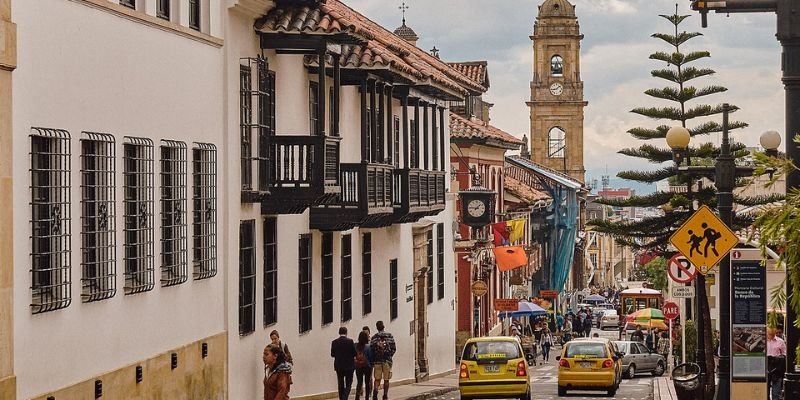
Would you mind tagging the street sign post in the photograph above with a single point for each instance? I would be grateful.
(670, 310)
(704, 239)
(682, 292)
(680, 269)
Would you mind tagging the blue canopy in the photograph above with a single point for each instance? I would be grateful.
(524, 309)
(595, 297)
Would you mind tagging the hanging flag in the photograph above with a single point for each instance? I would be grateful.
(500, 234)
(516, 229)
(508, 258)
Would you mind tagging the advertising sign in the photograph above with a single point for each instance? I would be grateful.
(548, 294)
(506, 304)
(749, 318)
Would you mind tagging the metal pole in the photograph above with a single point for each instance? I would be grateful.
(789, 36)
(725, 169)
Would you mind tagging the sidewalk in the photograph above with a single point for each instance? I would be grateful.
(422, 390)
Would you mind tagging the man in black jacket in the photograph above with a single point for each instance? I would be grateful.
(343, 351)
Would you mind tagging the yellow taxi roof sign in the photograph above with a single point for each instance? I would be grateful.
(704, 239)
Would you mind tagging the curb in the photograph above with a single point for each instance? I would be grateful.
(432, 393)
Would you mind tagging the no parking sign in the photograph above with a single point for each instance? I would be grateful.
(680, 269)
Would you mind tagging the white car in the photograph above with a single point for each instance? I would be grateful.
(608, 318)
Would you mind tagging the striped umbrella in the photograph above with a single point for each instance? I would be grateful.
(646, 317)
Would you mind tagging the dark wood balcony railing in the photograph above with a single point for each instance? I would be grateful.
(304, 170)
(418, 193)
(366, 199)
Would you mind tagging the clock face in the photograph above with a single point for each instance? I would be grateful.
(556, 89)
(476, 208)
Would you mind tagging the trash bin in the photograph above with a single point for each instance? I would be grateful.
(686, 379)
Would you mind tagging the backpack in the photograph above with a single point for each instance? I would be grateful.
(361, 359)
(381, 349)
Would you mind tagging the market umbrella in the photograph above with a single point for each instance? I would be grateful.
(595, 297)
(645, 317)
(524, 309)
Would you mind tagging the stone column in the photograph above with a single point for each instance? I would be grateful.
(8, 62)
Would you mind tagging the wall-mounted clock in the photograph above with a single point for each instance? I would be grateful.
(556, 89)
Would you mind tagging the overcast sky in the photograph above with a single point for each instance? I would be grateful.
(615, 66)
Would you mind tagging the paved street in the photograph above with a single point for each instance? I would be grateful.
(545, 382)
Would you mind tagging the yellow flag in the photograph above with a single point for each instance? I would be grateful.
(516, 229)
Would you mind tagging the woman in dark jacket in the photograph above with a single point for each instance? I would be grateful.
(363, 363)
(277, 373)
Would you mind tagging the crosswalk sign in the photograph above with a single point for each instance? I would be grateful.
(704, 239)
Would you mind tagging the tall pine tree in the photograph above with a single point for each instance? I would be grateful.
(686, 109)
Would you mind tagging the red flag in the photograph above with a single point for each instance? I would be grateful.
(500, 233)
(508, 258)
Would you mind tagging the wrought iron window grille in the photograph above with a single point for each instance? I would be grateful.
(256, 125)
(204, 210)
(393, 290)
(366, 273)
(173, 213)
(51, 228)
(347, 278)
(138, 214)
(440, 260)
(98, 226)
(305, 284)
(270, 271)
(247, 277)
(327, 278)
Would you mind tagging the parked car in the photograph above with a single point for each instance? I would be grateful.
(638, 359)
(589, 364)
(494, 367)
(607, 318)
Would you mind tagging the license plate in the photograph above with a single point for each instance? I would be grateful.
(491, 368)
(585, 364)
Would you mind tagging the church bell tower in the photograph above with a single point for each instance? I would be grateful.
(556, 101)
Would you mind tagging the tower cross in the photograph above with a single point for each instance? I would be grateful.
(403, 7)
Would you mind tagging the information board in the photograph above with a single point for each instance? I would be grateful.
(749, 320)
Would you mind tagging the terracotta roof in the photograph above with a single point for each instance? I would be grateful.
(524, 192)
(461, 127)
(474, 70)
(334, 17)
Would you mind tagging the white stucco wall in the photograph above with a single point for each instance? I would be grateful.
(85, 69)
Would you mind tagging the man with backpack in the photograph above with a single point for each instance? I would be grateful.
(383, 348)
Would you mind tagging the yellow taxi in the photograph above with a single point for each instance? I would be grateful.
(589, 364)
(493, 367)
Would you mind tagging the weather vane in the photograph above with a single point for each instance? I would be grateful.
(403, 7)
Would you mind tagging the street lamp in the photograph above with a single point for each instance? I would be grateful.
(725, 173)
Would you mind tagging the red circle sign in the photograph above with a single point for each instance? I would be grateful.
(670, 310)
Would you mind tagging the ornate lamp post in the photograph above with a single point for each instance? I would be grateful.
(725, 173)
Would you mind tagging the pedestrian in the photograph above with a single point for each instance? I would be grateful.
(277, 373)
(577, 326)
(567, 336)
(365, 329)
(360, 392)
(363, 364)
(663, 345)
(637, 335)
(559, 322)
(776, 363)
(383, 348)
(587, 323)
(651, 340)
(343, 351)
(276, 340)
(546, 343)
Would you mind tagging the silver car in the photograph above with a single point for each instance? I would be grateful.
(639, 359)
(607, 318)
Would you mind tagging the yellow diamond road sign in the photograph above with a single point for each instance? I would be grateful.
(704, 239)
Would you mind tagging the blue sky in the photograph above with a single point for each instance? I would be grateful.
(615, 66)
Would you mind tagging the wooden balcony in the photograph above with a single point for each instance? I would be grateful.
(303, 171)
(418, 193)
(366, 199)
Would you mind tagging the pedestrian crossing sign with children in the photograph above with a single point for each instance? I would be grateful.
(704, 239)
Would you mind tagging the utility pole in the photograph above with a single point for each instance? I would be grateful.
(788, 34)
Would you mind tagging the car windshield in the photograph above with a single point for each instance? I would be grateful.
(622, 346)
(477, 351)
(577, 349)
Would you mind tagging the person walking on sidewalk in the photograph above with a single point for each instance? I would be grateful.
(343, 351)
(363, 364)
(276, 339)
(277, 373)
(776, 363)
(546, 343)
(383, 348)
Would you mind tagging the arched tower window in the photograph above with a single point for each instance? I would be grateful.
(556, 65)
(557, 142)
